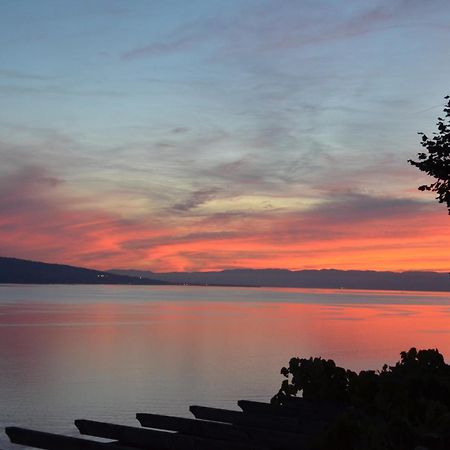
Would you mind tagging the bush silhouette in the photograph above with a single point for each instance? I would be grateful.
(399, 407)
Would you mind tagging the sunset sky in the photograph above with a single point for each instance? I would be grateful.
(205, 134)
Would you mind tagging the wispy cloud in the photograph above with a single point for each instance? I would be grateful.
(12, 74)
(164, 47)
(254, 134)
(195, 199)
(257, 28)
(40, 220)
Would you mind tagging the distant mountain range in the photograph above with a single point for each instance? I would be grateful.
(325, 278)
(14, 270)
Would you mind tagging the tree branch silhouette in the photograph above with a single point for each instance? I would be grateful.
(436, 161)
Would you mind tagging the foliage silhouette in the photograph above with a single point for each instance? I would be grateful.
(399, 407)
(437, 161)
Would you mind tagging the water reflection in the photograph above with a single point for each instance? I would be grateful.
(108, 352)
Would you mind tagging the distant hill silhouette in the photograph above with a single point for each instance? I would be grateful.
(14, 270)
(325, 278)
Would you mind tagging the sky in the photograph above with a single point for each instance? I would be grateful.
(207, 135)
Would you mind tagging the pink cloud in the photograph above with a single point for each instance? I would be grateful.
(41, 219)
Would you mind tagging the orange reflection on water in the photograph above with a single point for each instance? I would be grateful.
(364, 336)
(106, 352)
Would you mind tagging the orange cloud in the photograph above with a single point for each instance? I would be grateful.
(41, 219)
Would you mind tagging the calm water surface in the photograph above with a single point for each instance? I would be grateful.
(107, 352)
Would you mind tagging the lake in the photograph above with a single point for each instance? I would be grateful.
(107, 352)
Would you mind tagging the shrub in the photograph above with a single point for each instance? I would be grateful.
(399, 407)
